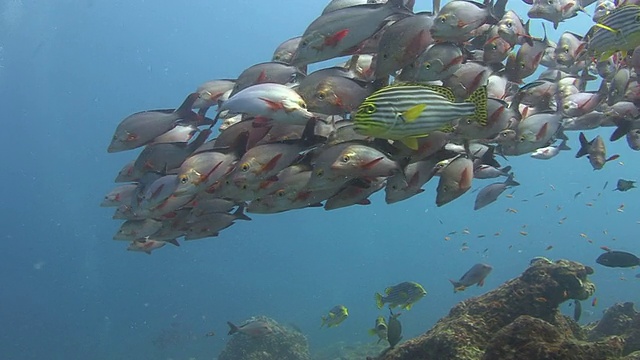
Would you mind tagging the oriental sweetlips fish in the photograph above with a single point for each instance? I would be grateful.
(617, 31)
(403, 295)
(409, 111)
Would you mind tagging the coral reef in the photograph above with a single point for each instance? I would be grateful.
(283, 343)
(518, 320)
(619, 320)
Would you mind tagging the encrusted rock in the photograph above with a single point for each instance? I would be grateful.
(283, 343)
(469, 329)
(531, 338)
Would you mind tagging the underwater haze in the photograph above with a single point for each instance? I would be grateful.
(70, 71)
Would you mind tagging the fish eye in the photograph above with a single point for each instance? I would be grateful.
(304, 43)
(442, 19)
(494, 47)
(509, 24)
(523, 65)
(244, 187)
(320, 95)
(320, 172)
(346, 158)
(280, 193)
(550, 2)
(245, 167)
(427, 66)
(566, 49)
(370, 108)
(302, 104)
(184, 179)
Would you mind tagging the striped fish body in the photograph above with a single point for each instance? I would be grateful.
(617, 31)
(409, 111)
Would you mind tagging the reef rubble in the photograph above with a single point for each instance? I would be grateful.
(521, 320)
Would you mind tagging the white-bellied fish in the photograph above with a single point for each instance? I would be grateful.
(549, 152)
(490, 193)
(475, 275)
(339, 32)
(455, 179)
(269, 101)
(142, 127)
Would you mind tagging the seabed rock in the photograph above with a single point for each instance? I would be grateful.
(619, 320)
(283, 344)
(518, 320)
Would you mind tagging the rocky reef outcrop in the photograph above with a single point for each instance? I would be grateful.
(518, 320)
(281, 343)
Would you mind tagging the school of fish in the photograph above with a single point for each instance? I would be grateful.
(422, 95)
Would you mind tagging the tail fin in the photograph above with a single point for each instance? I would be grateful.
(174, 242)
(456, 286)
(479, 99)
(510, 181)
(563, 145)
(184, 111)
(584, 146)
(379, 301)
(505, 170)
(623, 126)
(239, 214)
(232, 328)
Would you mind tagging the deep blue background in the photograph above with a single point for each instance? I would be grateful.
(71, 71)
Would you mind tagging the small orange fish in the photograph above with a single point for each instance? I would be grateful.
(594, 302)
(605, 248)
(524, 233)
(541, 299)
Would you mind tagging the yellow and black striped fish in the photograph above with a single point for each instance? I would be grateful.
(409, 111)
(616, 31)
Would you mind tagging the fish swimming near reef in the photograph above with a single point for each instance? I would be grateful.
(577, 310)
(380, 329)
(403, 295)
(394, 329)
(252, 328)
(473, 276)
(337, 315)
(616, 258)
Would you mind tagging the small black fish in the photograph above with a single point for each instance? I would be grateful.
(618, 259)
(625, 185)
(394, 329)
(577, 310)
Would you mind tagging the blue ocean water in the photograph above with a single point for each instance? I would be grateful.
(71, 70)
